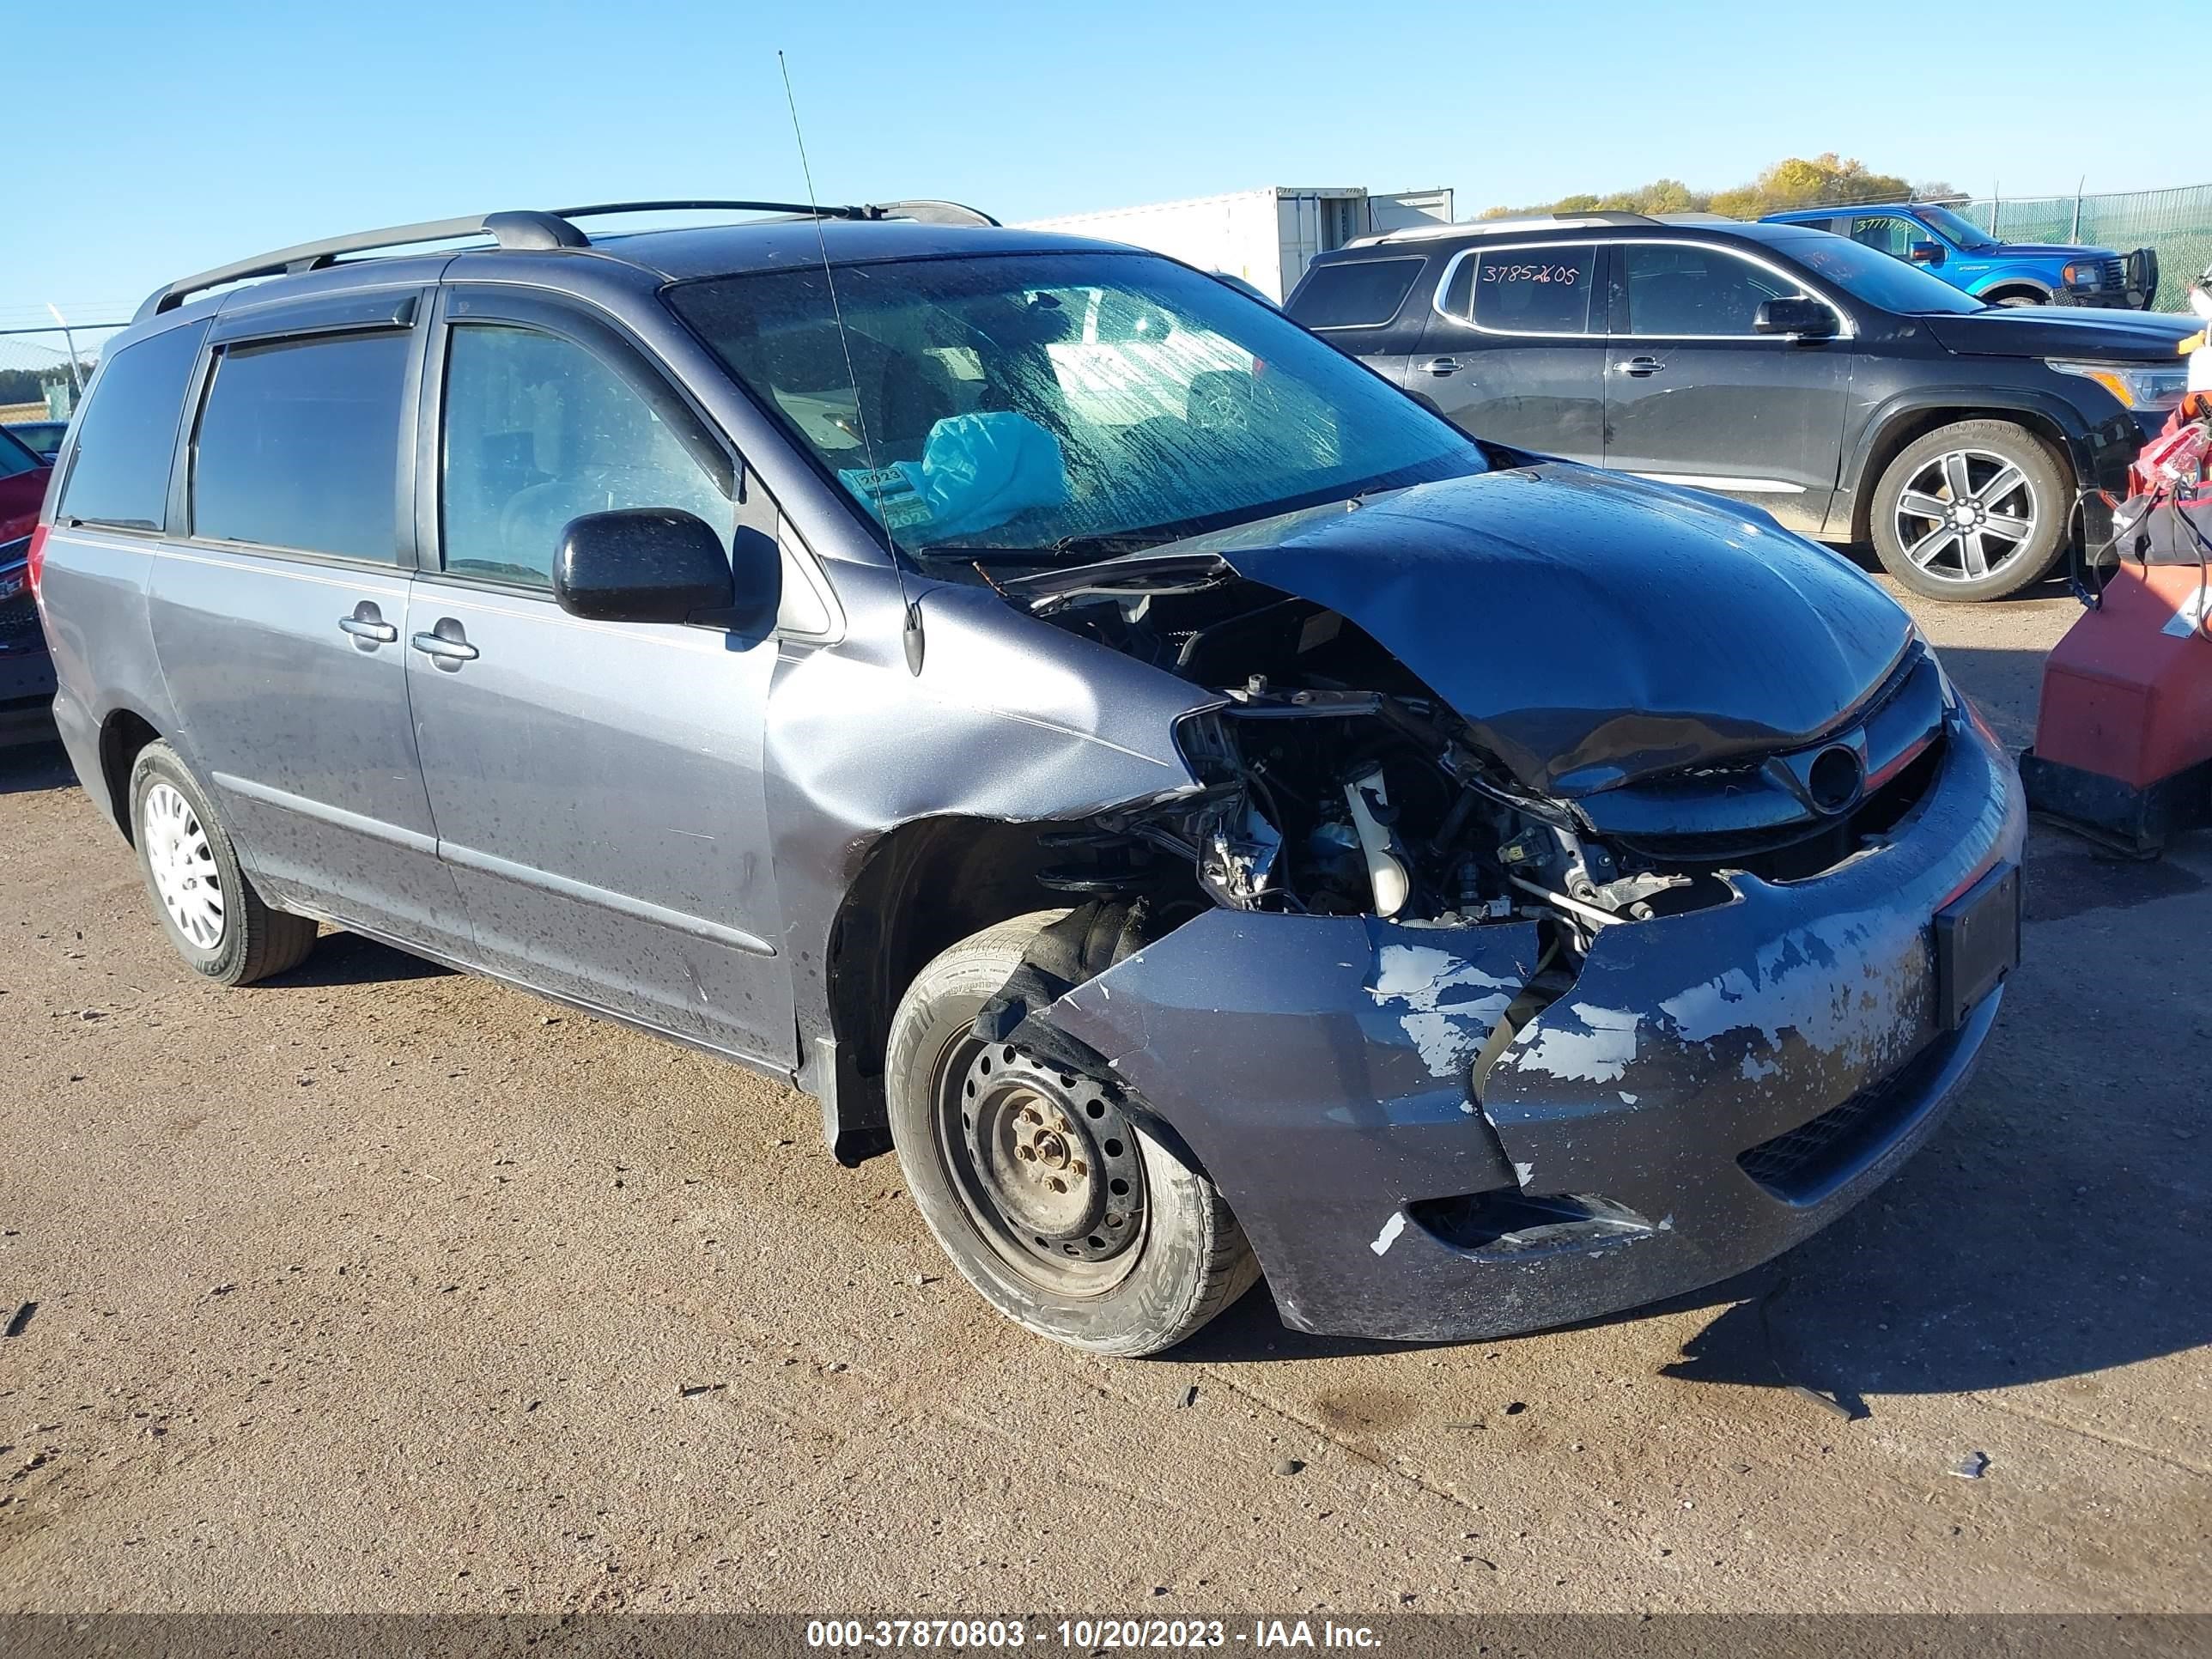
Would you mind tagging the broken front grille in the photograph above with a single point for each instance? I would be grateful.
(1816, 1158)
(1765, 815)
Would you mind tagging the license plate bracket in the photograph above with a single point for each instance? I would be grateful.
(1977, 942)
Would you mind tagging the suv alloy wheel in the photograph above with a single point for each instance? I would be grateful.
(1972, 511)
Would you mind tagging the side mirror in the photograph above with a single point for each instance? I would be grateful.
(657, 564)
(1808, 319)
(1925, 253)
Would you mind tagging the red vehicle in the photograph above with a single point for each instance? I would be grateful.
(27, 673)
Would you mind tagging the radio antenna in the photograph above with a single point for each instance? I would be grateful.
(911, 608)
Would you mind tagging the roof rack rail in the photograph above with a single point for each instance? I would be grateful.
(923, 211)
(524, 228)
(1495, 227)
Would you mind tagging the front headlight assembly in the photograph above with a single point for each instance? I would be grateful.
(2144, 388)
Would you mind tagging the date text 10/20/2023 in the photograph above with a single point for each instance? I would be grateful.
(1088, 1634)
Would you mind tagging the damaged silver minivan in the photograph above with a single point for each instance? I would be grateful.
(1211, 816)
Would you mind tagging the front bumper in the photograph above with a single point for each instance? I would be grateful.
(2102, 299)
(1715, 1088)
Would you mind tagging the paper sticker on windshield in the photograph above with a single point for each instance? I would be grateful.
(891, 492)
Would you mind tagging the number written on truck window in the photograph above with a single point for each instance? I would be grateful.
(1525, 290)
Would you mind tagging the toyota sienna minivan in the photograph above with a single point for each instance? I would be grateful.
(1212, 817)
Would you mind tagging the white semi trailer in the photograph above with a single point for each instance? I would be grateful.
(1264, 236)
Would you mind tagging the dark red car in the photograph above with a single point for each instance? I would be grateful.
(27, 673)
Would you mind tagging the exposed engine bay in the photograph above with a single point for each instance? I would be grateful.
(1337, 783)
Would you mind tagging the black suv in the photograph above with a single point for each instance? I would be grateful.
(1853, 397)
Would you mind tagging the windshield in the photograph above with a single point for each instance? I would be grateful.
(1867, 274)
(1053, 402)
(1964, 233)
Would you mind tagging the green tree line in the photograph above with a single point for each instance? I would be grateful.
(29, 386)
(1794, 183)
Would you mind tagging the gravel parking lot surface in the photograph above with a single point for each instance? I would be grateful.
(379, 1287)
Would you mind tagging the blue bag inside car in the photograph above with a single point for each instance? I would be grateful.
(976, 471)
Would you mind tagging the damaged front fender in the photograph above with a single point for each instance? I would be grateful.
(1314, 1065)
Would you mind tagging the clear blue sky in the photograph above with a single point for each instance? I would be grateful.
(185, 135)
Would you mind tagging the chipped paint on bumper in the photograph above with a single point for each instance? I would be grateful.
(1318, 1067)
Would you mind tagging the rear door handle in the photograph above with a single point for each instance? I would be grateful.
(448, 645)
(1441, 367)
(1642, 367)
(367, 625)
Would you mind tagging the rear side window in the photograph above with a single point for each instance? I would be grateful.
(1525, 290)
(127, 436)
(1886, 233)
(298, 446)
(1357, 294)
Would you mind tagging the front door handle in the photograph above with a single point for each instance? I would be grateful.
(1441, 367)
(448, 644)
(367, 625)
(1641, 367)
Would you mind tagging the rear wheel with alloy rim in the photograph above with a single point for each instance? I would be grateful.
(1972, 511)
(1061, 1204)
(218, 924)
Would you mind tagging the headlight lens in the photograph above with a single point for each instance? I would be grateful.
(2145, 387)
(2081, 276)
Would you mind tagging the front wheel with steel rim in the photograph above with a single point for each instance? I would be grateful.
(1049, 1191)
(218, 924)
(1974, 510)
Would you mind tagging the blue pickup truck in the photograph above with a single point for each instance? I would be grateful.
(1947, 246)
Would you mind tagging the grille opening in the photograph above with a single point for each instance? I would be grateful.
(1811, 1161)
(1512, 1223)
(1797, 852)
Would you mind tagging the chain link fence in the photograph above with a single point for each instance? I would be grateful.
(2178, 223)
(37, 382)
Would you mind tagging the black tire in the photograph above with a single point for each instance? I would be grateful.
(251, 940)
(2021, 299)
(2042, 497)
(1187, 1258)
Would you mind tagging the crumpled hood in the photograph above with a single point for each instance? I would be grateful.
(1592, 629)
(2061, 331)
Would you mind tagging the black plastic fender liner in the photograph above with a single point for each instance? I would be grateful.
(1317, 1066)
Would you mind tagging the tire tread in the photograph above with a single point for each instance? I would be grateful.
(274, 940)
(1225, 1266)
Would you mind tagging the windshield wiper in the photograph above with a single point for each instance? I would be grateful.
(1083, 547)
